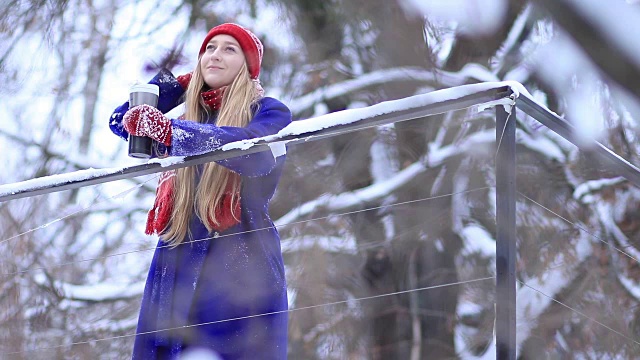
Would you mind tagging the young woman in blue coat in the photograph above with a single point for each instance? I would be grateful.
(218, 266)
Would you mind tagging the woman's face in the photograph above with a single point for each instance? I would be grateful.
(221, 61)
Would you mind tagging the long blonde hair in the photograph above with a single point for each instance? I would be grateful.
(206, 196)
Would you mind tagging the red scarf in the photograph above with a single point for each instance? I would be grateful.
(159, 216)
(212, 98)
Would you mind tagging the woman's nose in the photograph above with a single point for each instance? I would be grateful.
(216, 54)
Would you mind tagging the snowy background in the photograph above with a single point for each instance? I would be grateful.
(388, 233)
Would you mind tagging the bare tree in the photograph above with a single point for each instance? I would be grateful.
(578, 247)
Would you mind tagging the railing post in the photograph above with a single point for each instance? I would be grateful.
(506, 234)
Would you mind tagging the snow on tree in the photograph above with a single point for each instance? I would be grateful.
(362, 215)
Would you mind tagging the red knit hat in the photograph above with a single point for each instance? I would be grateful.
(249, 42)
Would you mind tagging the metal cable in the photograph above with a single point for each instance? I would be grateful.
(580, 313)
(255, 316)
(582, 228)
(250, 231)
(93, 203)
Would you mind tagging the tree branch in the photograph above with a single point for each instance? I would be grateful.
(606, 45)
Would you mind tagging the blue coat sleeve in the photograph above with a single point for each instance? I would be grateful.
(169, 97)
(192, 138)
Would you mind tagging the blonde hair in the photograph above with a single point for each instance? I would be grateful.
(206, 196)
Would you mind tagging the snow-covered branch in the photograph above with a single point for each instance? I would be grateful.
(530, 304)
(113, 326)
(584, 192)
(632, 287)
(78, 162)
(435, 78)
(328, 203)
(347, 201)
(327, 243)
(606, 31)
(100, 292)
(604, 212)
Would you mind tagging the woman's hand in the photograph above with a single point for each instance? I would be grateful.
(145, 120)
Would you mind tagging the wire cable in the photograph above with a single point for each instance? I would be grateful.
(582, 229)
(94, 202)
(580, 313)
(256, 315)
(249, 231)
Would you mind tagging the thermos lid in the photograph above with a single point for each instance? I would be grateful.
(148, 88)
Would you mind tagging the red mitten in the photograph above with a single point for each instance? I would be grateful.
(145, 120)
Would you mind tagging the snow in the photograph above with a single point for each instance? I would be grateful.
(383, 167)
(55, 180)
(310, 100)
(506, 103)
(566, 68)
(530, 303)
(475, 17)
(605, 213)
(103, 291)
(622, 32)
(381, 152)
(173, 160)
(297, 128)
(632, 287)
(344, 201)
(378, 190)
(582, 192)
(478, 240)
(112, 326)
(516, 30)
(586, 109)
(388, 107)
(470, 71)
(327, 243)
(542, 145)
(468, 308)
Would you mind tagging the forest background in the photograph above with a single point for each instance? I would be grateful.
(73, 264)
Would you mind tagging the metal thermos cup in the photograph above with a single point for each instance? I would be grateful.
(140, 146)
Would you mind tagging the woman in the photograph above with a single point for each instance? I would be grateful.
(218, 262)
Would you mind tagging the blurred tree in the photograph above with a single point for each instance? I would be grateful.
(578, 225)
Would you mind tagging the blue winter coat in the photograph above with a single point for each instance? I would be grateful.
(212, 292)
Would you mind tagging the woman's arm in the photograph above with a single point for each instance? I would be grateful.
(170, 96)
(191, 138)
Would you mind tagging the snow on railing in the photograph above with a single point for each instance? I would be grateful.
(388, 112)
(435, 102)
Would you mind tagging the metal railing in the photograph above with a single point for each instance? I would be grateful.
(507, 97)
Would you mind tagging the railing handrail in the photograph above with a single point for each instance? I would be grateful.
(561, 127)
(432, 103)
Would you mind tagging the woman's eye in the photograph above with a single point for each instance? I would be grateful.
(210, 47)
(231, 49)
